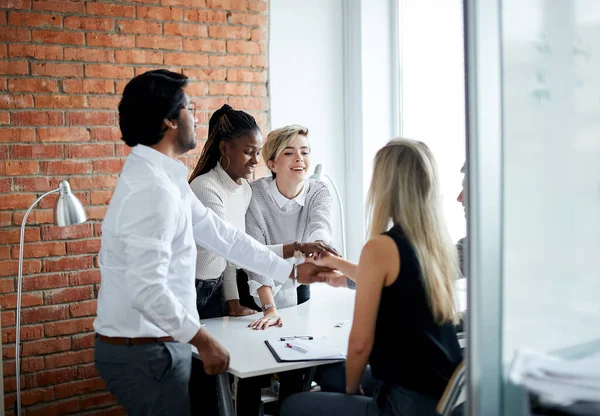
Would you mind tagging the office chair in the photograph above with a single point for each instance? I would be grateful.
(452, 393)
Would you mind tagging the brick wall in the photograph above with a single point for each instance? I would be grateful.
(63, 64)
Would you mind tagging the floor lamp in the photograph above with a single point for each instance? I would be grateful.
(317, 175)
(67, 211)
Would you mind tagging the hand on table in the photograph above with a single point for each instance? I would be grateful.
(270, 318)
(236, 309)
(215, 357)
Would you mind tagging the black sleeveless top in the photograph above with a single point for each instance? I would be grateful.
(410, 349)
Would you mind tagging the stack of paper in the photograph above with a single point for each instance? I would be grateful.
(557, 381)
(321, 348)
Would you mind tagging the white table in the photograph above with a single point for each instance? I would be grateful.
(250, 356)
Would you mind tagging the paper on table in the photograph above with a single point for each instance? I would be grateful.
(322, 348)
(558, 381)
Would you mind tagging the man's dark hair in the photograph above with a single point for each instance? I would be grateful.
(148, 100)
(225, 124)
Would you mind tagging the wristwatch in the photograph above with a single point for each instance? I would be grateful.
(266, 306)
(297, 253)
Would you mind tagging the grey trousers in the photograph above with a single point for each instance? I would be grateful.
(149, 380)
(386, 401)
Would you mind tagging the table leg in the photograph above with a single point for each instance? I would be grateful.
(225, 399)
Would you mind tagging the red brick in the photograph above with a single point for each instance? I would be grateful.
(205, 16)
(7, 285)
(5, 255)
(15, 34)
(109, 103)
(104, 9)
(101, 197)
(229, 32)
(68, 359)
(92, 182)
(197, 89)
(4, 118)
(91, 118)
(248, 19)
(106, 134)
(83, 277)
(57, 37)
(16, 4)
(81, 342)
(89, 86)
(83, 247)
(66, 167)
(60, 101)
(258, 5)
(96, 212)
(246, 76)
(56, 6)
(63, 134)
(5, 184)
(9, 301)
(28, 333)
(36, 183)
(14, 68)
(185, 29)
(57, 70)
(230, 60)
(185, 3)
(140, 27)
(259, 61)
(71, 326)
(96, 400)
(110, 40)
(28, 365)
(10, 382)
(51, 377)
(50, 200)
(227, 4)
(186, 59)
(34, 19)
(250, 48)
(158, 42)
(45, 314)
(50, 232)
(32, 396)
(108, 165)
(36, 151)
(13, 236)
(54, 53)
(37, 216)
(16, 201)
(206, 74)
(98, 229)
(46, 281)
(85, 308)
(139, 57)
(159, 13)
(13, 135)
(37, 118)
(203, 45)
(8, 317)
(89, 23)
(32, 85)
(108, 71)
(34, 250)
(55, 408)
(19, 167)
(67, 263)
(229, 89)
(87, 371)
(259, 91)
(86, 151)
(258, 34)
(89, 55)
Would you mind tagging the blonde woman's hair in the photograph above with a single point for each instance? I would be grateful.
(279, 139)
(404, 191)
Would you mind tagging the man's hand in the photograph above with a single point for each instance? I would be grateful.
(270, 318)
(334, 278)
(236, 309)
(309, 273)
(215, 357)
(318, 247)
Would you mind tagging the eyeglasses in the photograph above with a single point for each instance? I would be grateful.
(191, 107)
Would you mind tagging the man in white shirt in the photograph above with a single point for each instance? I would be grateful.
(146, 316)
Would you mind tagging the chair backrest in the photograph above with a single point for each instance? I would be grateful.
(453, 391)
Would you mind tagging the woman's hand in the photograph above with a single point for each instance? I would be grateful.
(321, 259)
(334, 278)
(236, 309)
(318, 247)
(270, 318)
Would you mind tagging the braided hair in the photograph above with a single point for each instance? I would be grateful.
(225, 124)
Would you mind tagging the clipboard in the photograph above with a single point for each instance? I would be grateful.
(318, 349)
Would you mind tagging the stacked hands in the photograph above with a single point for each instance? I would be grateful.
(317, 268)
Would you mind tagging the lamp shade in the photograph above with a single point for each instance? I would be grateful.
(68, 209)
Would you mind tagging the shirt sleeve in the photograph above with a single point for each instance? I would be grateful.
(319, 216)
(213, 233)
(256, 280)
(147, 230)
